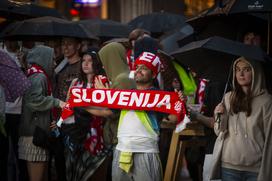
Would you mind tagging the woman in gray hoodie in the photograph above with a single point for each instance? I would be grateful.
(246, 120)
(37, 111)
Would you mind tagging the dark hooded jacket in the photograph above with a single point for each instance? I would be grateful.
(37, 104)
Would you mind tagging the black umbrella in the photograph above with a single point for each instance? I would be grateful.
(20, 10)
(158, 22)
(211, 58)
(45, 27)
(232, 18)
(170, 41)
(106, 28)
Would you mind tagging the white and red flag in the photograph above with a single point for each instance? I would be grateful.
(161, 101)
(201, 91)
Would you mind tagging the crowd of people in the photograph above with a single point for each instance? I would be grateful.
(33, 147)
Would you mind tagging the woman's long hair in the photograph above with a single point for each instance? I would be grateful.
(240, 101)
(97, 66)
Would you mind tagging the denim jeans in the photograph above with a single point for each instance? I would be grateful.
(236, 175)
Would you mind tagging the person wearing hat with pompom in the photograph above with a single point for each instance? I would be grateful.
(136, 156)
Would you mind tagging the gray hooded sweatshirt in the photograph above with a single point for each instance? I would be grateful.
(37, 104)
(248, 143)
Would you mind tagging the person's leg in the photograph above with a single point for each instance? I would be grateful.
(231, 175)
(195, 158)
(37, 171)
(146, 167)
(12, 128)
(23, 173)
(3, 157)
(58, 153)
(117, 173)
(250, 176)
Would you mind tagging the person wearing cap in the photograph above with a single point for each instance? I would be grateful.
(136, 156)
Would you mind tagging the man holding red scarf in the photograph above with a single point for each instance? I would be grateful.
(136, 156)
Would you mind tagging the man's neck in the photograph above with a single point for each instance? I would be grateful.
(74, 59)
(144, 86)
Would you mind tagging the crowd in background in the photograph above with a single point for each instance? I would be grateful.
(89, 138)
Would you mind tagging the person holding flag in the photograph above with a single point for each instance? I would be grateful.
(83, 132)
(136, 156)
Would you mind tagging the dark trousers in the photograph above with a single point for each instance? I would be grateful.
(3, 157)
(57, 152)
(15, 168)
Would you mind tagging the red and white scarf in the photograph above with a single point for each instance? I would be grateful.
(201, 91)
(161, 101)
(35, 69)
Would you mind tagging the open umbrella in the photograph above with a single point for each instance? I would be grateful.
(158, 22)
(170, 41)
(232, 18)
(12, 78)
(22, 10)
(45, 27)
(211, 58)
(106, 28)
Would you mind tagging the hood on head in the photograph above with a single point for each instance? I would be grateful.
(42, 56)
(258, 79)
(113, 58)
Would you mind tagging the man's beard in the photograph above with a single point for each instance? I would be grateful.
(143, 81)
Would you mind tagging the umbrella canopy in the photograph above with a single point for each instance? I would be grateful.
(232, 18)
(45, 27)
(106, 28)
(12, 78)
(211, 58)
(158, 22)
(19, 10)
(170, 41)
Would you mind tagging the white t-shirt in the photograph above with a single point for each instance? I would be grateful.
(14, 107)
(134, 137)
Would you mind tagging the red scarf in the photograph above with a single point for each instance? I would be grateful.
(201, 91)
(161, 101)
(36, 69)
